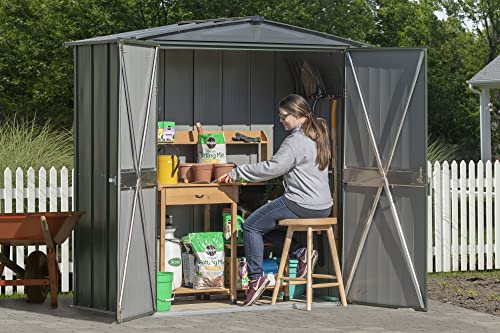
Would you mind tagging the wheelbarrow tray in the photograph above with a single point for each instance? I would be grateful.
(42, 271)
(24, 228)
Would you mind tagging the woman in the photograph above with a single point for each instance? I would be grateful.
(303, 160)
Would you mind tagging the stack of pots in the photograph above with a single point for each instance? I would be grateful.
(196, 172)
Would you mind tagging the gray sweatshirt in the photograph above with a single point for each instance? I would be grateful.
(304, 183)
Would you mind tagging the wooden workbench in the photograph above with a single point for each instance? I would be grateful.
(202, 194)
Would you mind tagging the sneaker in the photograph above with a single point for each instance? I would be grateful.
(302, 265)
(255, 290)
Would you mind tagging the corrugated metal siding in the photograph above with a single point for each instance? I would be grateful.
(95, 238)
(112, 172)
(83, 231)
(100, 146)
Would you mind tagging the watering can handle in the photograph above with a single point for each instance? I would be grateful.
(174, 169)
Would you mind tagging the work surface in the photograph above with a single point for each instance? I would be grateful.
(18, 316)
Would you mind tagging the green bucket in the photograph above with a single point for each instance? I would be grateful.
(164, 291)
(296, 291)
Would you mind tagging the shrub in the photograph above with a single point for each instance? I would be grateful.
(25, 143)
(439, 150)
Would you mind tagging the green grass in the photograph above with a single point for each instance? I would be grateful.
(478, 274)
(25, 143)
(17, 295)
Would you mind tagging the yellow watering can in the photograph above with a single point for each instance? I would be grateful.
(168, 166)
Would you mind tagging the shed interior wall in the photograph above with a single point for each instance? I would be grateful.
(228, 90)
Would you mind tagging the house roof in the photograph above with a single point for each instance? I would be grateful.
(488, 76)
(252, 30)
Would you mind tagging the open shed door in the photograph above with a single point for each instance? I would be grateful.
(137, 181)
(384, 184)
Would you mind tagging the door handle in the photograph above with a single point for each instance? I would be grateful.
(199, 196)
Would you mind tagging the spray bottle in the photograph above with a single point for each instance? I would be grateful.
(173, 261)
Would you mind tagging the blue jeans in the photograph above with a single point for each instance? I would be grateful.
(261, 226)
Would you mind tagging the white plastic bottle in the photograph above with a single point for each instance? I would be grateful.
(173, 260)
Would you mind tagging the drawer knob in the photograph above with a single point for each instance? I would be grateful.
(199, 196)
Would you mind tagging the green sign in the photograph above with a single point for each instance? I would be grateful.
(175, 262)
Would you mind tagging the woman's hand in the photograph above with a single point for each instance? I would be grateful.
(225, 179)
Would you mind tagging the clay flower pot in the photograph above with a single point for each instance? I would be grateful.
(220, 169)
(202, 172)
(186, 172)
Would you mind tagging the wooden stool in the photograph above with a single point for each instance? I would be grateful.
(310, 225)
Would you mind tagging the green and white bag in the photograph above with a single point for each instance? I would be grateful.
(209, 251)
(211, 148)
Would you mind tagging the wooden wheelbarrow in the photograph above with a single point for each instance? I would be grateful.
(42, 271)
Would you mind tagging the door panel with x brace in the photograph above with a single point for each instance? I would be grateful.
(384, 203)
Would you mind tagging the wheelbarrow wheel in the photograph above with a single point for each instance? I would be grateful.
(36, 268)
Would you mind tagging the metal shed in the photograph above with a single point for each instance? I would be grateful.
(230, 74)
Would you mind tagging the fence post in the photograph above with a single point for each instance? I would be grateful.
(65, 245)
(7, 182)
(19, 250)
(497, 215)
(489, 216)
(446, 221)
(42, 197)
(463, 216)
(472, 216)
(430, 229)
(454, 216)
(480, 215)
(31, 195)
(438, 227)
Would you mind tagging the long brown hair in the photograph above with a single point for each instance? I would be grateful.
(314, 128)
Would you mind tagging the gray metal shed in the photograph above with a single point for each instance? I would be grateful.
(230, 74)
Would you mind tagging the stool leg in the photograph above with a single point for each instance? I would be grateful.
(336, 265)
(286, 287)
(309, 291)
(283, 260)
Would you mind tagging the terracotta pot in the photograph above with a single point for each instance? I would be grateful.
(220, 169)
(186, 172)
(202, 172)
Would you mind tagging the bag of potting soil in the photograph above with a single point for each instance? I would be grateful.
(211, 148)
(226, 220)
(208, 248)
(188, 265)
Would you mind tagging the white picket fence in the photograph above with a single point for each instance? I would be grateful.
(27, 197)
(463, 216)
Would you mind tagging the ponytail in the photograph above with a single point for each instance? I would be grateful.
(317, 130)
(314, 128)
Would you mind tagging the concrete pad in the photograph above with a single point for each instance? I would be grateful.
(18, 316)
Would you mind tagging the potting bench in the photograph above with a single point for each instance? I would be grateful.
(208, 194)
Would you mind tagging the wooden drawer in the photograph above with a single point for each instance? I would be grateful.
(195, 196)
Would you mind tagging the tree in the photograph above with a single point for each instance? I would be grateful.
(36, 71)
(452, 60)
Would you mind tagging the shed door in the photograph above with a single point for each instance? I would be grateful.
(384, 193)
(137, 181)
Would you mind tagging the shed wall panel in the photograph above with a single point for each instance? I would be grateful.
(236, 88)
(113, 172)
(208, 87)
(84, 172)
(178, 86)
(99, 182)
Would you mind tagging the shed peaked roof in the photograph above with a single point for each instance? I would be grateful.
(489, 75)
(253, 30)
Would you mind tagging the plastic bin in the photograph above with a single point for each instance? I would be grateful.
(296, 291)
(164, 291)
